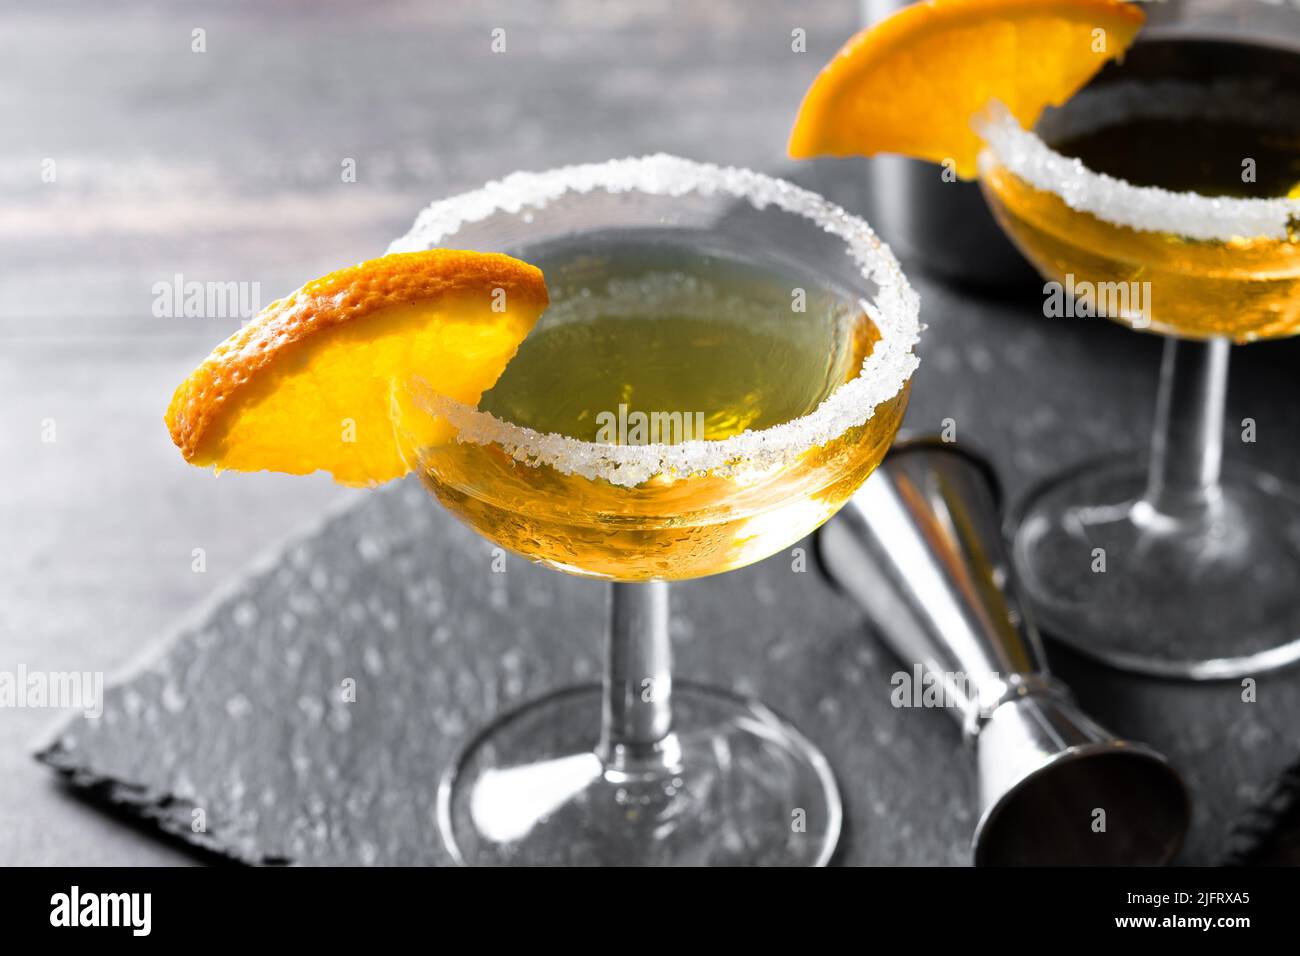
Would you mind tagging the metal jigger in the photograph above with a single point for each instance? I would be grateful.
(919, 548)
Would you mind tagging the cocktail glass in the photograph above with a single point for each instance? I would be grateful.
(1181, 566)
(645, 769)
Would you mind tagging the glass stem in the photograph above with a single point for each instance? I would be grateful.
(1187, 444)
(636, 723)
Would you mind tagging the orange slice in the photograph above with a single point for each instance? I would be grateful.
(911, 83)
(317, 381)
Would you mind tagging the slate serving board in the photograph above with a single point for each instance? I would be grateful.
(237, 737)
(243, 717)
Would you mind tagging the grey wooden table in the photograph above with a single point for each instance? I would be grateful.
(227, 165)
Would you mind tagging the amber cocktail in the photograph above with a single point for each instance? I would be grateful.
(724, 361)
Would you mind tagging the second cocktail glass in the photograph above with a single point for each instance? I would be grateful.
(725, 360)
(1176, 566)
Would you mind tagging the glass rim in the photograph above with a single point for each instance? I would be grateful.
(895, 311)
(1118, 202)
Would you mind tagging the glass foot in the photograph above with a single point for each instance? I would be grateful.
(1208, 596)
(733, 784)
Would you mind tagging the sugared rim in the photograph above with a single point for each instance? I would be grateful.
(1116, 201)
(895, 311)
